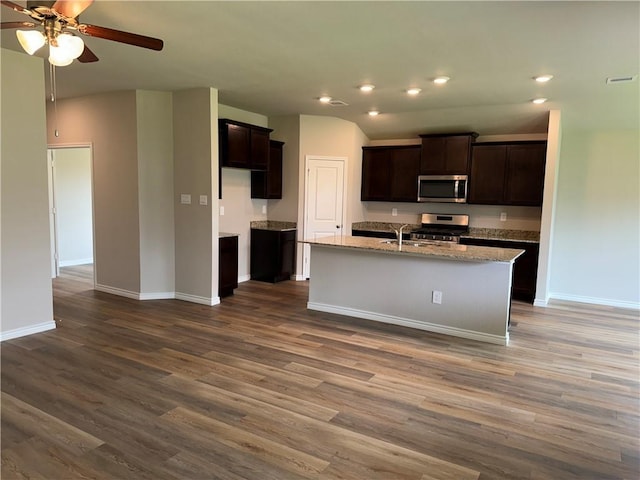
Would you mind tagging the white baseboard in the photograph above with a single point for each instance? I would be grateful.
(406, 322)
(30, 330)
(244, 278)
(157, 296)
(299, 278)
(594, 301)
(197, 299)
(72, 263)
(117, 291)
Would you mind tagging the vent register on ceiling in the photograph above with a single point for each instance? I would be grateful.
(59, 21)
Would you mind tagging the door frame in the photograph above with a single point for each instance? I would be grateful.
(52, 205)
(306, 250)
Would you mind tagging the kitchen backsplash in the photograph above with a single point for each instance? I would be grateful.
(480, 216)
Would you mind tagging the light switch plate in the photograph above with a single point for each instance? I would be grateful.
(221, 210)
(503, 216)
(394, 212)
(204, 200)
(264, 209)
(185, 199)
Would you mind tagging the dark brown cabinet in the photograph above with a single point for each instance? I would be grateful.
(390, 173)
(268, 183)
(507, 173)
(446, 154)
(243, 145)
(273, 255)
(525, 269)
(227, 265)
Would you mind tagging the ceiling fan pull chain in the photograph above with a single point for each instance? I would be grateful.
(54, 94)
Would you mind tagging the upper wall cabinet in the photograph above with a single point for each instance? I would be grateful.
(268, 183)
(390, 174)
(507, 173)
(243, 145)
(446, 154)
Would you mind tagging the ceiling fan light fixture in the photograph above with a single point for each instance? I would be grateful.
(59, 57)
(31, 40)
(73, 46)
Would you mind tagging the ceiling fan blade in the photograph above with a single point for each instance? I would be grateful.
(122, 37)
(71, 8)
(17, 25)
(15, 6)
(87, 56)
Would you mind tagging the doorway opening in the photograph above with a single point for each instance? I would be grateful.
(71, 208)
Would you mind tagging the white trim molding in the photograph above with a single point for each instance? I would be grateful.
(607, 302)
(157, 296)
(30, 330)
(117, 291)
(73, 263)
(197, 299)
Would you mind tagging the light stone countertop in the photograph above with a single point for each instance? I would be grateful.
(450, 251)
(227, 234)
(272, 225)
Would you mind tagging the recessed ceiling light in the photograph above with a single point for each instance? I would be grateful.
(441, 80)
(367, 88)
(325, 99)
(373, 113)
(538, 101)
(543, 78)
(413, 91)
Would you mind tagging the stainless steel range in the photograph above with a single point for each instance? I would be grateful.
(441, 227)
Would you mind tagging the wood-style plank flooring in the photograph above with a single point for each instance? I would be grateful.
(260, 388)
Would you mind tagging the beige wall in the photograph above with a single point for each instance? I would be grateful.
(25, 274)
(108, 122)
(596, 243)
(195, 155)
(155, 194)
(287, 129)
(239, 208)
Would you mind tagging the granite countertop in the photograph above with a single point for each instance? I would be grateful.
(227, 234)
(273, 225)
(477, 233)
(500, 234)
(451, 251)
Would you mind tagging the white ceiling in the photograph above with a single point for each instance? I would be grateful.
(276, 58)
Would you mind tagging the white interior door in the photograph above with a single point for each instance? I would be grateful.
(324, 201)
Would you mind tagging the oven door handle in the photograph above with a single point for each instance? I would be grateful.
(456, 189)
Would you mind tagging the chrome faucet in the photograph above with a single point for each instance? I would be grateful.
(399, 233)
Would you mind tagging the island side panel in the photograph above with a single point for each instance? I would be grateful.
(397, 289)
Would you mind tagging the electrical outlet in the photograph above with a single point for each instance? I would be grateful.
(436, 297)
(264, 209)
(503, 216)
(394, 212)
(221, 210)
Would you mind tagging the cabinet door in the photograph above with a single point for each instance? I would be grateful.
(525, 174)
(228, 265)
(375, 174)
(259, 140)
(446, 154)
(404, 168)
(433, 158)
(237, 143)
(488, 165)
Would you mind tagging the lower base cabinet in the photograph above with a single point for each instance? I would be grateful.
(273, 255)
(525, 269)
(228, 265)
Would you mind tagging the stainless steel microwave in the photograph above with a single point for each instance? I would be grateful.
(443, 188)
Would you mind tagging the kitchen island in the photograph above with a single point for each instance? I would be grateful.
(373, 279)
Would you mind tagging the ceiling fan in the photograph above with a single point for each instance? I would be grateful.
(60, 18)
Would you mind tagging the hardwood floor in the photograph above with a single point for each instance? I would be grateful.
(260, 388)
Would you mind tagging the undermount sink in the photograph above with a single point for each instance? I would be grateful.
(410, 243)
(420, 243)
